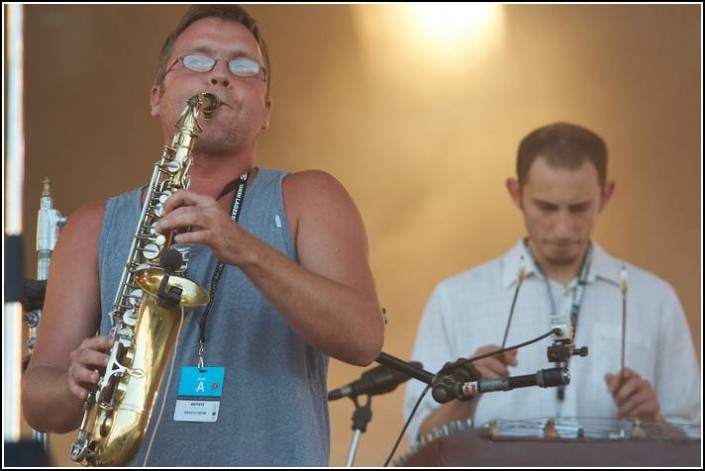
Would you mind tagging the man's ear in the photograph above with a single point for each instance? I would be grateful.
(607, 193)
(514, 190)
(155, 100)
(268, 113)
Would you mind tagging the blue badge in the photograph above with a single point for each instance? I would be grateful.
(201, 382)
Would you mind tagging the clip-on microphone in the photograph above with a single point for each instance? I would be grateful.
(170, 260)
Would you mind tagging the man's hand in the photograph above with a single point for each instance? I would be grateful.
(86, 362)
(207, 224)
(492, 367)
(495, 366)
(633, 395)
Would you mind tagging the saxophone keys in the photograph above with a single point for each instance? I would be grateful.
(164, 196)
(135, 267)
(120, 391)
(158, 210)
(129, 317)
(172, 166)
(135, 297)
(126, 334)
(150, 251)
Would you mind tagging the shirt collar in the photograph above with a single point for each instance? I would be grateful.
(517, 257)
(602, 265)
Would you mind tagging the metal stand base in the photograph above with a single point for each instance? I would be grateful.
(361, 417)
(25, 454)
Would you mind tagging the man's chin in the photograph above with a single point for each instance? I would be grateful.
(562, 257)
(561, 261)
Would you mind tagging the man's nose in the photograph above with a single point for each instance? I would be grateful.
(220, 75)
(565, 225)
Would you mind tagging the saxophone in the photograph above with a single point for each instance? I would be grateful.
(147, 313)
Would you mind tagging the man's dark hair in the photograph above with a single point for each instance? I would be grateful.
(563, 145)
(225, 12)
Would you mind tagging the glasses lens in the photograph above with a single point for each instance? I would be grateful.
(243, 67)
(198, 63)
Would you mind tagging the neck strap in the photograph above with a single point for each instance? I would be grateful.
(238, 200)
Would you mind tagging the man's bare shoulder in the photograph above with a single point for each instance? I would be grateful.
(314, 188)
(312, 181)
(87, 219)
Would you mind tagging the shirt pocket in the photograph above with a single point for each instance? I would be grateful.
(639, 350)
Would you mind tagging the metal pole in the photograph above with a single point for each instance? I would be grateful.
(14, 181)
(49, 220)
(353, 449)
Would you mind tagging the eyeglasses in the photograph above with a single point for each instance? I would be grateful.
(240, 66)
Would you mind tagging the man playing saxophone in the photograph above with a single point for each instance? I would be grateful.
(283, 257)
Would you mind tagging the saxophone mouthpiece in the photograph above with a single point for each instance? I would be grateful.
(212, 101)
(208, 101)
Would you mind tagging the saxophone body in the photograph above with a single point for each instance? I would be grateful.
(147, 313)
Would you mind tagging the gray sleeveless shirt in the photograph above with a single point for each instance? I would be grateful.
(273, 410)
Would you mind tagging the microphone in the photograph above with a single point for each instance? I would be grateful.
(169, 295)
(171, 260)
(379, 380)
(33, 292)
(448, 389)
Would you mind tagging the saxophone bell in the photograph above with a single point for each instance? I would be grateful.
(190, 293)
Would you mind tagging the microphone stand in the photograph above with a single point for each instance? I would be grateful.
(446, 386)
(360, 418)
(460, 380)
(363, 413)
(402, 366)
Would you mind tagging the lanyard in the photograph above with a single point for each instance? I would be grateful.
(235, 210)
(578, 293)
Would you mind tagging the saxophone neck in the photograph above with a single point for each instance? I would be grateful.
(187, 127)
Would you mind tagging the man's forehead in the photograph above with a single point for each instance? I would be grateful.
(228, 36)
(543, 170)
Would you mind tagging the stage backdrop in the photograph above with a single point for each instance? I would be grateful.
(421, 128)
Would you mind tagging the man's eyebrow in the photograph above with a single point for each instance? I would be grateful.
(237, 52)
(541, 202)
(578, 205)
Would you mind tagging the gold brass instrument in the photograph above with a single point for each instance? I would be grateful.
(147, 313)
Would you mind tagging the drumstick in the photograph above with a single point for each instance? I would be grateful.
(624, 286)
(521, 274)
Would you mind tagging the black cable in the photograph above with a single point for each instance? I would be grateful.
(521, 275)
(514, 302)
(406, 425)
(554, 331)
(441, 371)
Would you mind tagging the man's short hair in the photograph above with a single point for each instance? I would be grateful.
(563, 145)
(225, 12)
